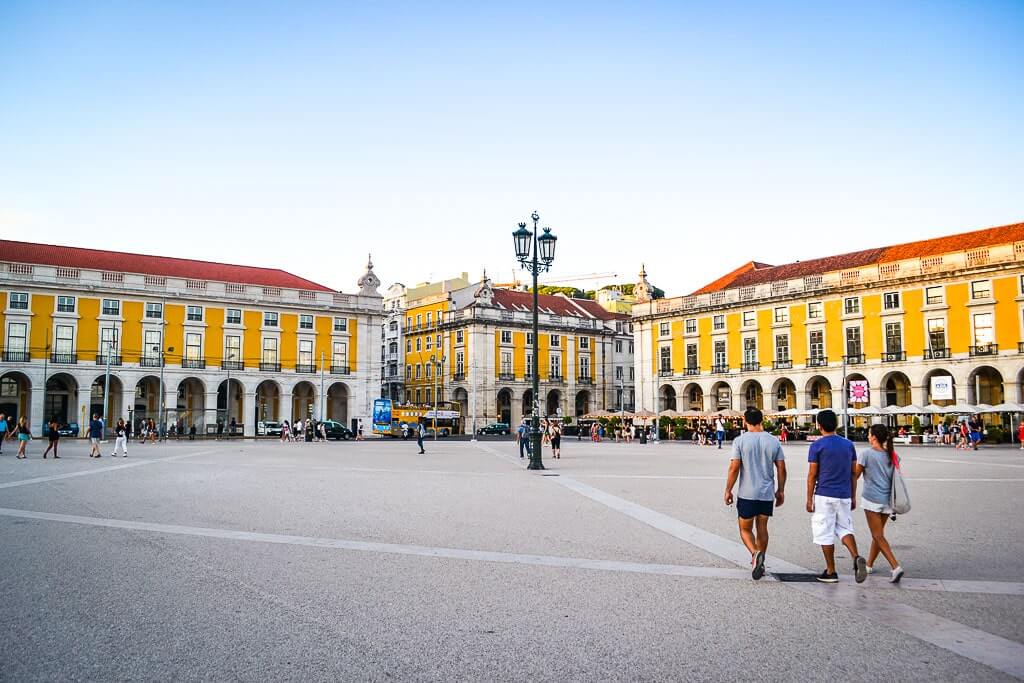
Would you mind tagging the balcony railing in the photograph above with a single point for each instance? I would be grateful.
(782, 364)
(690, 372)
(340, 370)
(817, 362)
(985, 350)
(854, 359)
(750, 366)
(894, 356)
(937, 354)
(1020, 347)
(232, 365)
(101, 359)
(555, 379)
(270, 367)
(194, 363)
(150, 362)
(507, 376)
(64, 358)
(665, 372)
(16, 356)
(584, 379)
(305, 368)
(459, 377)
(719, 369)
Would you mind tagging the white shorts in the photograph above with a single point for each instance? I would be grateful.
(871, 506)
(832, 519)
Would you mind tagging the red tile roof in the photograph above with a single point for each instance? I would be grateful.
(514, 300)
(121, 262)
(754, 273)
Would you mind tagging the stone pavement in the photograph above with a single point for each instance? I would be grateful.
(256, 560)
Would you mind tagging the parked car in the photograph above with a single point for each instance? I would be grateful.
(337, 431)
(70, 429)
(268, 428)
(495, 428)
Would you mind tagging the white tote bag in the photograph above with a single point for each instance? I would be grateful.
(899, 497)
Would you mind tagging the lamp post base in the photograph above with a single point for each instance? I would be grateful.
(536, 457)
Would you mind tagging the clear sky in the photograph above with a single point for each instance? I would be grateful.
(690, 136)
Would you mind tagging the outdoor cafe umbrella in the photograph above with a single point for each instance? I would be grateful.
(910, 409)
(692, 413)
(960, 409)
(643, 414)
(1012, 409)
(668, 412)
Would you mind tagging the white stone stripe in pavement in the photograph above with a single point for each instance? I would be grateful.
(985, 648)
(973, 463)
(99, 470)
(697, 477)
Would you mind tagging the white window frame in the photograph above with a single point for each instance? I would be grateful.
(154, 311)
(115, 309)
(230, 313)
(15, 302)
(62, 303)
(193, 313)
(890, 297)
(306, 321)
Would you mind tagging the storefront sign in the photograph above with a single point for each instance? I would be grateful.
(859, 391)
(942, 388)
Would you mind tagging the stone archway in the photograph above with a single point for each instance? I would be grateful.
(721, 396)
(191, 404)
(666, 398)
(337, 402)
(146, 405)
(528, 402)
(16, 397)
(819, 392)
(752, 395)
(693, 397)
(944, 378)
(582, 404)
(303, 400)
(226, 410)
(268, 402)
(460, 397)
(116, 404)
(61, 399)
(985, 385)
(504, 406)
(784, 394)
(895, 388)
(553, 404)
(854, 390)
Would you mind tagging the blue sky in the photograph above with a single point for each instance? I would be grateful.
(692, 137)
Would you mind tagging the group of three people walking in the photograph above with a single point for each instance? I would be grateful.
(834, 467)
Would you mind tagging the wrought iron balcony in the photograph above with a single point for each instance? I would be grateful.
(720, 369)
(985, 350)
(665, 372)
(340, 370)
(854, 359)
(305, 368)
(459, 377)
(270, 367)
(782, 365)
(64, 358)
(16, 357)
(507, 376)
(584, 379)
(750, 366)
(150, 361)
(894, 356)
(101, 359)
(817, 362)
(194, 363)
(232, 365)
(690, 372)
(555, 379)
(937, 354)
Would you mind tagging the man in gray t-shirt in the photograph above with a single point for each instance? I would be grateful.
(756, 458)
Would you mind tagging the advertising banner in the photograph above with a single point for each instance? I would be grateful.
(942, 388)
(382, 416)
(859, 391)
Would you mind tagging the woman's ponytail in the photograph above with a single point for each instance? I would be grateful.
(884, 437)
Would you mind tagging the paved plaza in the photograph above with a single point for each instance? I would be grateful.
(365, 561)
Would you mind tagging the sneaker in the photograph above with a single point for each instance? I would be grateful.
(860, 569)
(825, 577)
(869, 569)
(897, 574)
(758, 571)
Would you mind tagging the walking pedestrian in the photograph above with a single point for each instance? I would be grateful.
(522, 438)
(192, 432)
(53, 429)
(783, 434)
(831, 492)
(24, 433)
(220, 428)
(3, 431)
(556, 441)
(757, 459)
(719, 432)
(877, 464)
(232, 427)
(1020, 434)
(420, 431)
(120, 439)
(359, 431)
(95, 434)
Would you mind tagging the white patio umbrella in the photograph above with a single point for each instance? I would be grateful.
(908, 410)
(933, 409)
(1005, 408)
(788, 412)
(961, 409)
(871, 410)
(693, 413)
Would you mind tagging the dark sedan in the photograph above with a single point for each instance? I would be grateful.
(336, 430)
(495, 428)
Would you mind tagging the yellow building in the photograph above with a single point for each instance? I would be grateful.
(194, 341)
(472, 347)
(936, 321)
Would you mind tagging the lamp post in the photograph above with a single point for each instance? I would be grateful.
(160, 428)
(535, 253)
(106, 388)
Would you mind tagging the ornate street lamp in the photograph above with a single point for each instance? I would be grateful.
(536, 255)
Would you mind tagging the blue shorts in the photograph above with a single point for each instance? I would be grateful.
(975, 436)
(754, 508)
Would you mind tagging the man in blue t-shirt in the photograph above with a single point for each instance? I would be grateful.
(831, 496)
